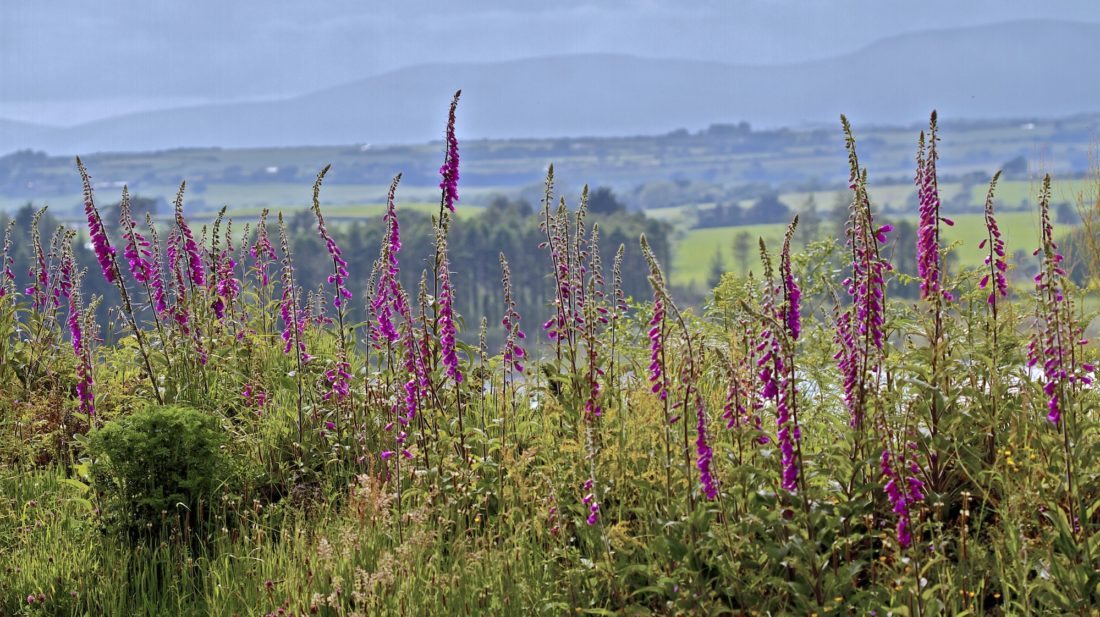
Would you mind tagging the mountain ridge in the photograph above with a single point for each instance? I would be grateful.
(1011, 69)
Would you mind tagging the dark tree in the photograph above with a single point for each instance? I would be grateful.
(717, 269)
(809, 222)
(603, 201)
(742, 244)
(767, 209)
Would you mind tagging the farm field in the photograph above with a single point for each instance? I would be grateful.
(695, 250)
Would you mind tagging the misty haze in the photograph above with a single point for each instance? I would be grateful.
(770, 307)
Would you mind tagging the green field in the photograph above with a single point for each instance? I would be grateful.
(695, 250)
(694, 253)
(366, 211)
(1015, 192)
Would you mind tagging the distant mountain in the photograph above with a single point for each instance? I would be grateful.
(1015, 69)
(14, 134)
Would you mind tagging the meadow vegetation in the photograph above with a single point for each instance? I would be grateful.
(827, 435)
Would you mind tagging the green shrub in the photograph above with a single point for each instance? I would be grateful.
(158, 466)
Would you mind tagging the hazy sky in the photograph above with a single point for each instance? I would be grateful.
(65, 61)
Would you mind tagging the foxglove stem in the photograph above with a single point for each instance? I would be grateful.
(226, 286)
(446, 318)
(294, 322)
(789, 433)
(591, 501)
(148, 264)
(689, 373)
(262, 253)
(995, 258)
(39, 273)
(513, 353)
(85, 382)
(195, 271)
(418, 384)
(929, 260)
(743, 402)
(7, 277)
(105, 253)
(791, 314)
(703, 451)
(930, 269)
(387, 302)
(860, 330)
(1056, 334)
(449, 170)
(138, 249)
(1056, 337)
(593, 389)
(555, 225)
(903, 488)
(339, 376)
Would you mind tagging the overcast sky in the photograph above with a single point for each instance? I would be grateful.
(65, 62)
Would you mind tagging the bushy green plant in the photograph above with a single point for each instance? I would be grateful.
(160, 461)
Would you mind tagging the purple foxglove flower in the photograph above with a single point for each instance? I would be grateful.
(703, 452)
(449, 170)
(513, 352)
(104, 252)
(196, 272)
(902, 493)
(389, 298)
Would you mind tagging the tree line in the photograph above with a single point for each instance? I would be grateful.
(509, 226)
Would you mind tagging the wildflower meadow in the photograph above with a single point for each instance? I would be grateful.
(219, 434)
